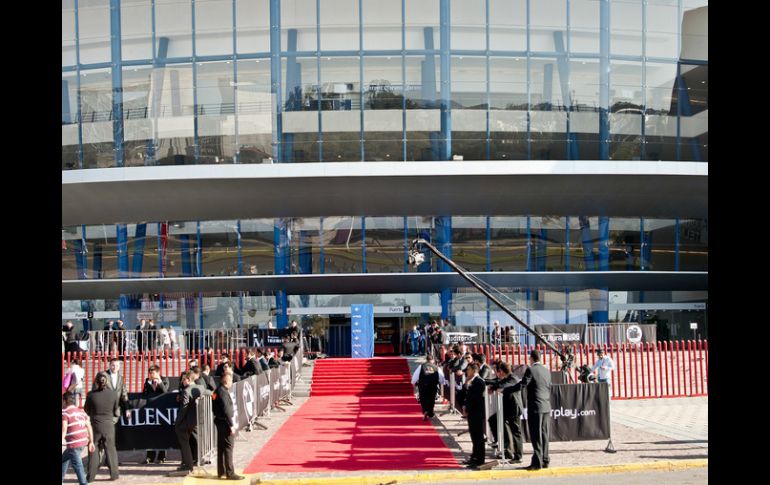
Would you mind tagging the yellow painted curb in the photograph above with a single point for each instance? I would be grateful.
(476, 475)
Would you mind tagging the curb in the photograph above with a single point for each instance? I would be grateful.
(480, 475)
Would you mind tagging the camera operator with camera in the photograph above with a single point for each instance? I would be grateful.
(605, 366)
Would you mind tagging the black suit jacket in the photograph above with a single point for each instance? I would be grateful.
(474, 398)
(537, 381)
(102, 407)
(188, 405)
(210, 384)
(161, 388)
(486, 373)
(222, 407)
(121, 391)
(512, 404)
(251, 368)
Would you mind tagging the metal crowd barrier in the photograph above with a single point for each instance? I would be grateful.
(207, 431)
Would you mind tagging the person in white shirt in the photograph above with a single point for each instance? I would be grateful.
(605, 366)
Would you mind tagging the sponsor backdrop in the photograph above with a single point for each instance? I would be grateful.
(579, 412)
(362, 331)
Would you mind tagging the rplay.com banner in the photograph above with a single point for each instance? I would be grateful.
(578, 412)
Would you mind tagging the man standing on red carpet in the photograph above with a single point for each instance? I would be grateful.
(474, 411)
(428, 377)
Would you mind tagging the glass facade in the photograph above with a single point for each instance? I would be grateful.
(177, 82)
(334, 245)
(360, 80)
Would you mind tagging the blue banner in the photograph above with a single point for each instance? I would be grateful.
(362, 331)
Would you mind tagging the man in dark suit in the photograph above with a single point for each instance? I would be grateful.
(537, 381)
(512, 407)
(224, 419)
(186, 419)
(485, 372)
(221, 367)
(473, 409)
(206, 376)
(102, 407)
(117, 385)
(154, 386)
(252, 367)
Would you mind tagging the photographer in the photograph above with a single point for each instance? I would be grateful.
(567, 364)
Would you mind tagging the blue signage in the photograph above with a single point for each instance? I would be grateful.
(362, 331)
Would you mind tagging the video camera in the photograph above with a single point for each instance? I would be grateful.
(585, 375)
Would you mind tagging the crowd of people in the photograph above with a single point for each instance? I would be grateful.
(473, 378)
(93, 426)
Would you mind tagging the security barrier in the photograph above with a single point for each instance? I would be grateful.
(207, 431)
(642, 371)
(152, 420)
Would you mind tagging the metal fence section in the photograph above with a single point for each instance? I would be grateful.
(135, 364)
(642, 371)
(596, 334)
(207, 431)
(170, 339)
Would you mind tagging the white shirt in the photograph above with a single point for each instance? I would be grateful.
(605, 366)
(80, 373)
(416, 376)
(114, 379)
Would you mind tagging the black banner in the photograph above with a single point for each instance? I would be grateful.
(574, 333)
(151, 425)
(579, 412)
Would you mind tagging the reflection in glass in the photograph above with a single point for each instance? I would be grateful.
(213, 27)
(384, 244)
(252, 25)
(173, 27)
(381, 24)
(508, 243)
(339, 25)
(469, 242)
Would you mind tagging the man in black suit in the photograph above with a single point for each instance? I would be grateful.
(512, 407)
(228, 367)
(221, 367)
(485, 371)
(154, 386)
(428, 377)
(117, 385)
(102, 407)
(252, 367)
(206, 376)
(289, 349)
(473, 409)
(224, 419)
(186, 419)
(537, 381)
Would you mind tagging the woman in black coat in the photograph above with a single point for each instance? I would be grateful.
(103, 409)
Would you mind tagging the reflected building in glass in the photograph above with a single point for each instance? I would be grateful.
(472, 83)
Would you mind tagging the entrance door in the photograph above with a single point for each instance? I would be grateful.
(339, 337)
(387, 340)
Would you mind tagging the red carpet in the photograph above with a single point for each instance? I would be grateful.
(372, 423)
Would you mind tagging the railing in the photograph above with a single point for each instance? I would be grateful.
(642, 371)
(206, 430)
(596, 334)
(135, 365)
(120, 341)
